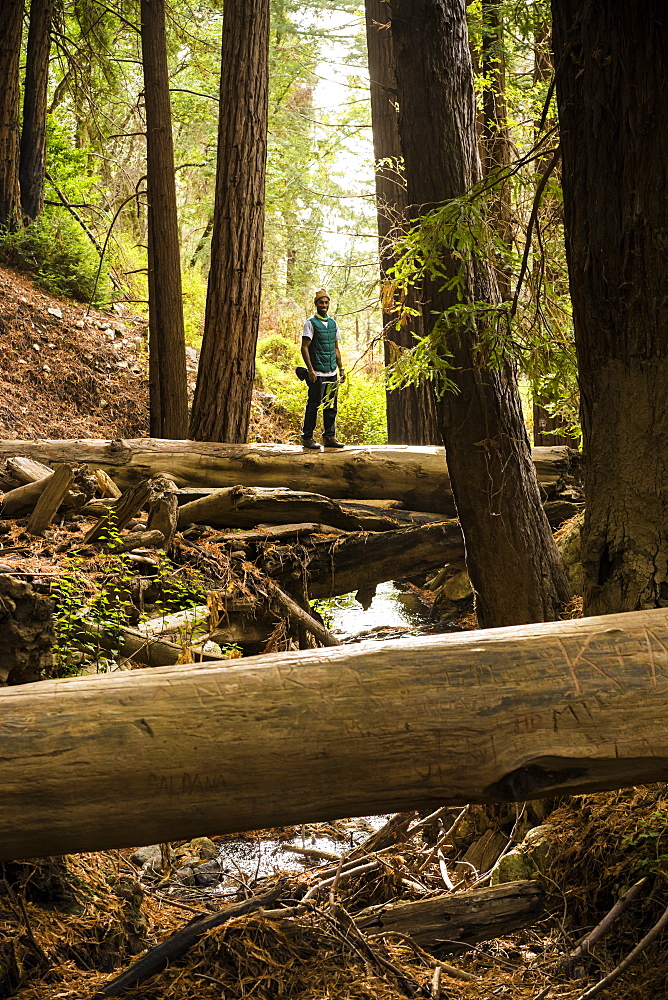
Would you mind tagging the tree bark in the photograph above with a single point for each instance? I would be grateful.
(153, 755)
(168, 377)
(512, 560)
(612, 91)
(548, 429)
(32, 155)
(221, 408)
(11, 23)
(494, 140)
(416, 476)
(412, 416)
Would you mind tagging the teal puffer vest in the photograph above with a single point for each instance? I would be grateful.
(322, 348)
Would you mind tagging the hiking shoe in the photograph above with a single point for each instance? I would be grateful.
(310, 443)
(332, 443)
(301, 373)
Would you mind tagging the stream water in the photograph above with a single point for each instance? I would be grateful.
(392, 613)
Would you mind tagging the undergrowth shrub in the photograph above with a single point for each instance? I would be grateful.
(361, 417)
(59, 257)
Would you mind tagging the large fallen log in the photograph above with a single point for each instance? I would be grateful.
(247, 506)
(475, 915)
(416, 475)
(503, 714)
(358, 560)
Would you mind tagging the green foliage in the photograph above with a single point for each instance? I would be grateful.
(74, 602)
(178, 592)
(279, 351)
(652, 836)
(58, 255)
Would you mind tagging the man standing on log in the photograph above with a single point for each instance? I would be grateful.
(322, 357)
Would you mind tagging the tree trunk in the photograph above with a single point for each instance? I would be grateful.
(168, 378)
(548, 429)
(221, 409)
(418, 477)
(153, 755)
(11, 23)
(612, 91)
(32, 157)
(411, 412)
(512, 560)
(494, 140)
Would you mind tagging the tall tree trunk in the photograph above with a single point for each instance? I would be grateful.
(11, 22)
(168, 378)
(411, 412)
(32, 156)
(221, 409)
(494, 139)
(612, 92)
(511, 557)
(548, 429)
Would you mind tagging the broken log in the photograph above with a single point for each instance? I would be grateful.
(25, 470)
(299, 615)
(132, 644)
(359, 560)
(146, 756)
(35, 477)
(466, 917)
(246, 506)
(138, 540)
(162, 509)
(416, 475)
(281, 533)
(106, 485)
(125, 508)
(51, 497)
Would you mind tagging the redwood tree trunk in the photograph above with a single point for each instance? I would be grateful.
(11, 17)
(612, 91)
(32, 157)
(221, 409)
(548, 429)
(511, 557)
(495, 143)
(168, 379)
(411, 412)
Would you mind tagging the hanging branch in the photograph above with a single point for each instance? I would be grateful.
(532, 221)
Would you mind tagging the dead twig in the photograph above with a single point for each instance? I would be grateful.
(584, 947)
(608, 980)
(18, 904)
(179, 943)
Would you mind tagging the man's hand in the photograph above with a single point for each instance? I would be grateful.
(311, 376)
(342, 376)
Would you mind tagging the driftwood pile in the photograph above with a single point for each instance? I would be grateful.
(268, 550)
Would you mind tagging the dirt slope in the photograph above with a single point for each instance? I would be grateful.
(66, 373)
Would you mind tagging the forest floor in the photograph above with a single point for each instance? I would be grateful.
(68, 926)
(67, 372)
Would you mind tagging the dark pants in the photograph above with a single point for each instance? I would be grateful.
(322, 392)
